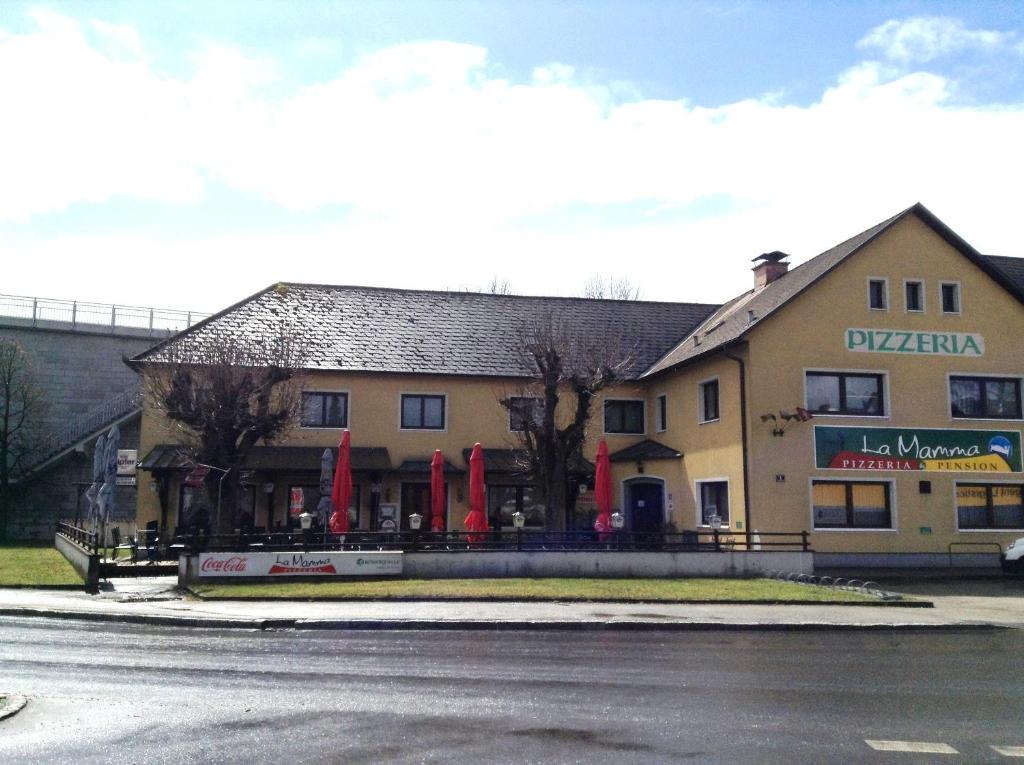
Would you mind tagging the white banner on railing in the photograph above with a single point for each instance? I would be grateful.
(286, 564)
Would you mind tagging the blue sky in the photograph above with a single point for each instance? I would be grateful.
(209, 149)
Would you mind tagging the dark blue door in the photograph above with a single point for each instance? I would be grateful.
(646, 508)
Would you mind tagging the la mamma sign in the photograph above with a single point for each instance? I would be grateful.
(288, 564)
(914, 343)
(927, 449)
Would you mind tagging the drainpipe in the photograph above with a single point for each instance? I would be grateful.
(743, 435)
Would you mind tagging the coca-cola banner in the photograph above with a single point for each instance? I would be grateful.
(300, 564)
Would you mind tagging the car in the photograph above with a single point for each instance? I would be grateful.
(1013, 559)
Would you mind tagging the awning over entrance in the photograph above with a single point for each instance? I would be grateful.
(421, 468)
(645, 450)
(515, 462)
(171, 458)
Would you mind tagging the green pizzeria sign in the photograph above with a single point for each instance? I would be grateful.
(915, 343)
(926, 449)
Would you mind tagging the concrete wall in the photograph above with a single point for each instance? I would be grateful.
(86, 564)
(906, 560)
(78, 371)
(602, 564)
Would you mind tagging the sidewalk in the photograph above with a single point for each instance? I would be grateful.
(959, 605)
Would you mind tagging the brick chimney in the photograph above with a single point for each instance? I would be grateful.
(770, 266)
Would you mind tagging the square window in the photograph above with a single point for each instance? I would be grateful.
(522, 410)
(623, 416)
(714, 501)
(985, 398)
(851, 504)
(851, 393)
(951, 298)
(422, 412)
(709, 409)
(914, 296)
(989, 506)
(878, 295)
(324, 410)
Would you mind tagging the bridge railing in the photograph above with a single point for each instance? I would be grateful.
(86, 316)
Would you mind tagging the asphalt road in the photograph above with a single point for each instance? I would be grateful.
(112, 693)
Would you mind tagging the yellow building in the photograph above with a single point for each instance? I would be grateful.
(871, 396)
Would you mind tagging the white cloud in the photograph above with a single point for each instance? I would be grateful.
(923, 39)
(440, 159)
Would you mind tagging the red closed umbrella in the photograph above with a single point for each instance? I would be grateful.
(341, 492)
(437, 503)
(603, 493)
(476, 521)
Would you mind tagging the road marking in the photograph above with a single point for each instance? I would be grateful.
(925, 747)
(1009, 751)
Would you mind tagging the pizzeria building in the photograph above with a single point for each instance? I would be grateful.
(870, 396)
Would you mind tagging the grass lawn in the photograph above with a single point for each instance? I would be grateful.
(34, 566)
(537, 589)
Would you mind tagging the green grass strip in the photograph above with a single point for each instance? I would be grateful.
(33, 566)
(639, 590)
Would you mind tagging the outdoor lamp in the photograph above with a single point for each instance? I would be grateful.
(415, 520)
(518, 519)
(618, 520)
(306, 520)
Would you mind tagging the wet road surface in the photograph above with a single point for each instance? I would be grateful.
(117, 693)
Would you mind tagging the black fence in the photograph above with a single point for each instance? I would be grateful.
(85, 539)
(702, 540)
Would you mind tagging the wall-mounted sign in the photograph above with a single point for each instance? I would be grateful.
(301, 564)
(929, 449)
(914, 343)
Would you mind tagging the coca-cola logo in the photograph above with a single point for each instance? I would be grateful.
(234, 564)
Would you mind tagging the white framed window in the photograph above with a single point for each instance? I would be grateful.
(523, 409)
(839, 504)
(913, 295)
(324, 409)
(708, 401)
(988, 506)
(712, 500)
(846, 393)
(661, 404)
(984, 397)
(625, 415)
(423, 411)
(949, 297)
(878, 293)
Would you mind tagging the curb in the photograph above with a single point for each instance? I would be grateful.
(15, 703)
(388, 625)
(625, 601)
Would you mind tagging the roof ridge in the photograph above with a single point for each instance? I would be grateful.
(495, 295)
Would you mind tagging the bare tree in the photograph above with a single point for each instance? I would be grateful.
(610, 288)
(223, 394)
(569, 372)
(22, 404)
(498, 286)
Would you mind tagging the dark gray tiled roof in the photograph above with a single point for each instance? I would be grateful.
(171, 457)
(371, 329)
(645, 450)
(422, 467)
(731, 321)
(1011, 268)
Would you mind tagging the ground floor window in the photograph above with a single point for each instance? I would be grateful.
(309, 501)
(714, 501)
(852, 504)
(416, 498)
(989, 506)
(503, 501)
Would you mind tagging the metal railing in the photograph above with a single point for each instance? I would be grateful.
(704, 540)
(91, 317)
(106, 413)
(79, 536)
